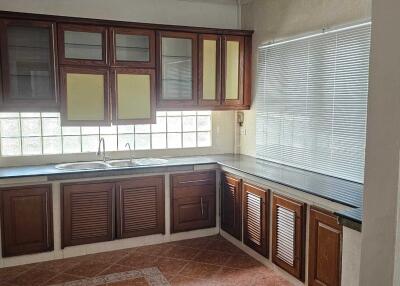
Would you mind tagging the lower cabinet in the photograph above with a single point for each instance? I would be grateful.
(27, 220)
(102, 211)
(87, 212)
(231, 205)
(140, 206)
(288, 235)
(193, 201)
(325, 244)
(256, 218)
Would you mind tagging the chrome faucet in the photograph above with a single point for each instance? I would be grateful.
(130, 152)
(104, 150)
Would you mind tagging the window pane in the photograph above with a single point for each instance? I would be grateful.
(189, 139)
(142, 128)
(142, 141)
(203, 123)
(126, 138)
(31, 145)
(10, 128)
(189, 123)
(90, 143)
(174, 124)
(51, 126)
(31, 127)
(108, 130)
(203, 139)
(71, 144)
(71, 131)
(110, 142)
(174, 140)
(126, 129)
(52, 145)
(90, 130)
(10, 146)
(160, 126)
(159, 141)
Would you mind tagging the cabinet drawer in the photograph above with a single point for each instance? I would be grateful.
(182, 192)
(193, 179)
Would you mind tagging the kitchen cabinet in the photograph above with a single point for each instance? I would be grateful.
(80, 44)
(28, 65)
(193, 201)
(256, 218)
(85, 96)
(288, 235)
(88, 212)
(177, 75)
(209, 70)
(140, 206)
(27, 220)
(134, 96)
(133, 47)
(231, 205)
(325, 245)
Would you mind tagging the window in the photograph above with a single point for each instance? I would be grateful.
(41, 133)
(311, 102)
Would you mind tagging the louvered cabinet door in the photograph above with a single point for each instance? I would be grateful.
(231, 205)
(256, 218)
(325, 244)
(88, 213)
(288, 235)
(140, 206)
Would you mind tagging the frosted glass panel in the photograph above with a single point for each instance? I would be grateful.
(30, 62)
(133, 48)
(209, 69)
(232, 70)
(83, 45)
(176, 68)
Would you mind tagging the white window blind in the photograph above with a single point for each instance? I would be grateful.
(311, 102)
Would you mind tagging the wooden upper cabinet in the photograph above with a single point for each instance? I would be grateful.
(140, 206)
(209, 70)
(27, 220)
(256, 218)
(233, 70)
(133, 48)
(325, 249)
(288, 235)
(87, 213)
(134, 96)
(231, 205)
(28, 65)
(83, 45)
(177, 70)
(85, 98)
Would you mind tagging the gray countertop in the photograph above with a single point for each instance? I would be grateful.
(337, 190)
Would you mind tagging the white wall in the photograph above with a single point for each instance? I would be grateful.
(380, 251)
(279, 19)
(176, 12)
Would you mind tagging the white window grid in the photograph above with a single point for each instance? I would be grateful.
(25, 134)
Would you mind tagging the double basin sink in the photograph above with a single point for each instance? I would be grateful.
(99, 165)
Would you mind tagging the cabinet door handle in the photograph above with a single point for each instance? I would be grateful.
(201, 204)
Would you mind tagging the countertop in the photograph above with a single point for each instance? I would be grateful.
(334, 189)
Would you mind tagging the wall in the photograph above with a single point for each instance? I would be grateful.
(381, 231)
(220, 14)
(279, 19)
(176, 12)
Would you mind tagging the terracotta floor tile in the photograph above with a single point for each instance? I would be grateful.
(242, 261)
(109, 257)
(170, 266)
(131, 282)
(33, 277)
(223, 246)
(189, 281)
(62, 278)
(273, 280)
(198, 243)
(156, 249)
(9, 273)
(88, 268)
(199, 270)
(180, 252)
(212, 257)
(138, 260)
(58, 266)
(116, 268)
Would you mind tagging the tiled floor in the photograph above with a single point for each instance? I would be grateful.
(202, 261)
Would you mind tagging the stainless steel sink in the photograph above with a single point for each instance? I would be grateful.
(122, 163)
(96, 165)
(150, 161)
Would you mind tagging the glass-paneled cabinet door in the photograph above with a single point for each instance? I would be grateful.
(133, 93)
(233, 70)
(85, 98)
(178, 76)
(28, 66)
(209, 70)
(133, 47)
(82, 44)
